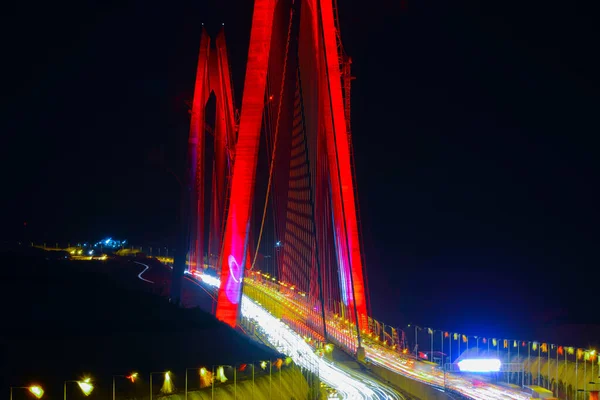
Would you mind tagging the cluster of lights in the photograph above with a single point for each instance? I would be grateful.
(85, 385)
(110, 243)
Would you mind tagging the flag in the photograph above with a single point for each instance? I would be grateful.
(464, 338)
(544, 347)
(579, 354)
(242, 367)
(560, 350)
(278, 363)
(430, 331)
(570, 350)
(484, 340)
(534, 346)
(515, 344)
(523, 344)
(446, 334)
(456, 336)
(494, 342)
(505, 343)
(587, 356)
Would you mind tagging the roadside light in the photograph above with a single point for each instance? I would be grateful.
(86, 386)
(37, 391)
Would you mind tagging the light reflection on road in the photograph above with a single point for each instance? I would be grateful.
(351, 384)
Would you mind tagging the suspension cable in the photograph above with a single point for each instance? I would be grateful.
(273, 152)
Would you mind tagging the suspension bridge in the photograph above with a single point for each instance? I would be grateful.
(270, 200)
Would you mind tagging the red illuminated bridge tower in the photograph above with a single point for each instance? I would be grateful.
(295, 103)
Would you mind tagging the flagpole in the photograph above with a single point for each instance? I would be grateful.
(556, 373)
(450, 345)
(519, 356)
(528, 362)
(432, 332)
(442, 336)
(566, 369)
(497, 349)
(585, 378)
(508, 361)
(416, 344)
(539, 364)
(549, 348)
(576, 374)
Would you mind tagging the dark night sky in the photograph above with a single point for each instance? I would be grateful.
(475, 128)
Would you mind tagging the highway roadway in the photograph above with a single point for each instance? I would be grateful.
(351, 384)
(389, 359)
(348, 384)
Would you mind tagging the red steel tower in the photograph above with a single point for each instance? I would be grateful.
(317, 60)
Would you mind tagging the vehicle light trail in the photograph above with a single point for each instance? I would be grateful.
(349, 384)
(145, 269)
(391, 360)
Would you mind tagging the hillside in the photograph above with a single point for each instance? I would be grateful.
(63, 319)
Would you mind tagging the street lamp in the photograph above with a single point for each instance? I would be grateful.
(36, 390)
(219, 374)
(202, 371)
(253, 367)
(132, 377)
(167, 378)
(85, 385)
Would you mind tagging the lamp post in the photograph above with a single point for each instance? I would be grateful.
(166, 373)
(253, 366)
(132, 377)
(234, 379)
(36, 390)
(186, 379)
(85, 385)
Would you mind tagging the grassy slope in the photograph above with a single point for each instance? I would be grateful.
(64, 319)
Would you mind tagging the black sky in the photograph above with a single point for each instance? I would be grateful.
(475, 125)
